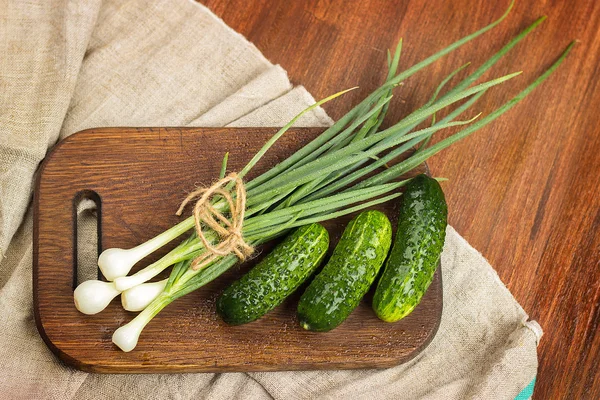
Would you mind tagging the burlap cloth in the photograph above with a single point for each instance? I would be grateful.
(70, 65)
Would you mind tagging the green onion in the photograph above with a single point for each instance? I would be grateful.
(323, 179)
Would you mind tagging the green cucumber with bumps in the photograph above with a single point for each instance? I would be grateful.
(417, 248)
(338, 288)
(277, 276)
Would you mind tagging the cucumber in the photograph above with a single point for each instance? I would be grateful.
(275, 277)
(338, 288)
(416, 252)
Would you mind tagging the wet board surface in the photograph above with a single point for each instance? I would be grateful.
(138, 177)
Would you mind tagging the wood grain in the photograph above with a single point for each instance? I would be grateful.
(139, 177)
(524, 191)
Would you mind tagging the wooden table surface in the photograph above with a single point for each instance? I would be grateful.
(524, 190)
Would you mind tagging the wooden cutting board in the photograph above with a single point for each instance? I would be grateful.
(138, 177)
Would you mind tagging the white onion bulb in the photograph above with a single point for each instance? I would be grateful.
(138, 297)
(126, 337)
(115, 263)
(93, 296)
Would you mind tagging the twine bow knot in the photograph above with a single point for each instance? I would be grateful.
(229, 229)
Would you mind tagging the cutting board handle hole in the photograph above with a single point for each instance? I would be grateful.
(86, 240)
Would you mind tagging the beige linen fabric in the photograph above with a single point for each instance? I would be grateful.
(70, 65)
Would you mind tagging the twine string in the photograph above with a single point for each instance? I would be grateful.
(228, 229)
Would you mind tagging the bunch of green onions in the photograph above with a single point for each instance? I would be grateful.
(323, 180)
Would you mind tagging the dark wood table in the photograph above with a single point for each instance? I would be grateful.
(524, 190)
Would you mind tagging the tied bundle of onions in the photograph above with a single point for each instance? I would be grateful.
(323, 180)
